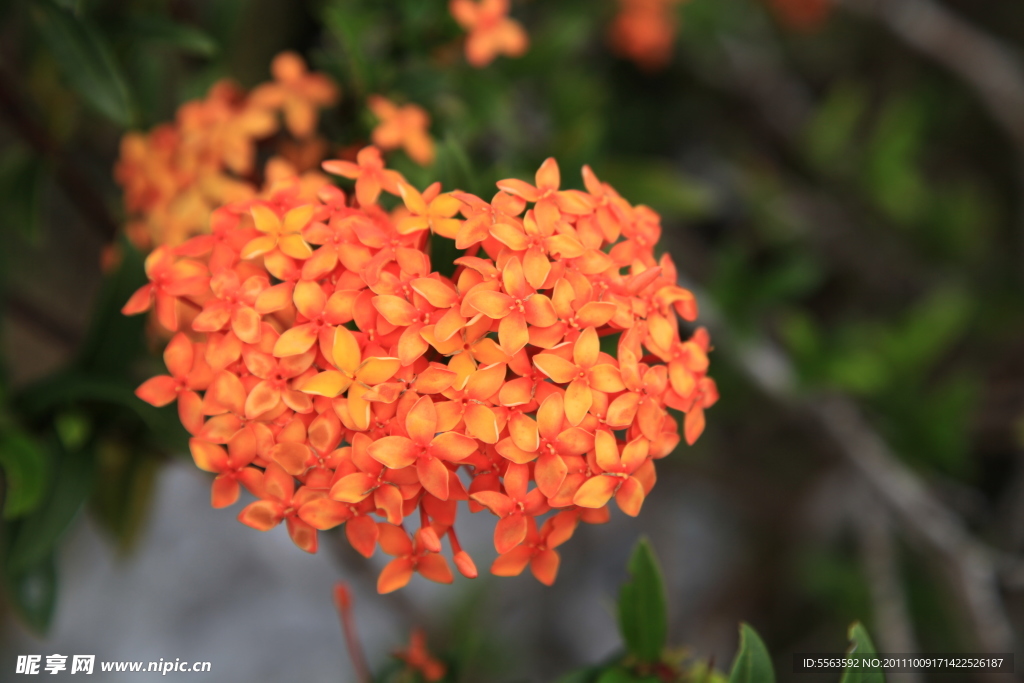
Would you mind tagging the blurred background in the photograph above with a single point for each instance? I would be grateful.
(841, 183)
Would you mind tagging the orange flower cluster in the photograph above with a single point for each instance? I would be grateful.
(644, 32)
(491, 31)
(320, 362)
(178, 173)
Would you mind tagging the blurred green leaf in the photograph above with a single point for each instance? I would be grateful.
(753, 663)
(928, 331)
(891, 174)
(658, 185)
(155, 28)
(26, 471)
(829, 138)
(21, 176)
(73, 429)
(124, 487)
(860, 644)
(616, 675)
(32, 591)
(588, 675)
(34, 536)
(85, 61)
(642, 612)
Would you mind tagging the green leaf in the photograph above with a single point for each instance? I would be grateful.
(34, 536)
(26, 473)
(588, 675)
(642, 613)
(33, 593)
(753, 663)
(617, 675)
(153, 28)
(85, 61)
(21, 176)
(126, 476)
(860, 644)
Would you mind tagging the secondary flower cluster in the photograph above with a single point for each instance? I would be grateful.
(644, 31)
(178, 173)
(321, 362)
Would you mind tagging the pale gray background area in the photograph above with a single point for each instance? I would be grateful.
(200, 586)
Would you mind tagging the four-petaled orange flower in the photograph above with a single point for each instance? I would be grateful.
(491, 31)
(407, 127)
(425, 448)
(297, 92)
(369, 173)
(419, 659)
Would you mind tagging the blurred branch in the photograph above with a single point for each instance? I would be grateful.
(74, 184)
(982, 61)
(881, 565)
(974, 566)
(985, 64)
(65, 335)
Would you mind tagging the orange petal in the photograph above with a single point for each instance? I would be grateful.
(434, 476)
(509, 532)
(395, 575)
(630, 497)
(362, 534)
(394, 452)
(264, 397)
(435, 568)
(207, 456)
(421, 421)
(512, 563)
(596, 491)
(578, 400)
(329, 383)
(607, 450)
(494, 305)
(224, 492)
(323, 513)
(377, 370)
(452, 446)
(395, 310)
(606, 377)
(587, 348)
(693, 426)
(295, 341)
(512, 333)
(556, 367)
(481, 423)
(292, 457)
(347, 356)
(549, 473)
(158, 391)
(263, 515)
(544, 566)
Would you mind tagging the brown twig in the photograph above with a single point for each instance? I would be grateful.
(881, 566)
(343, 601)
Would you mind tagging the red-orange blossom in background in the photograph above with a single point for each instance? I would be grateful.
(319, 361)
